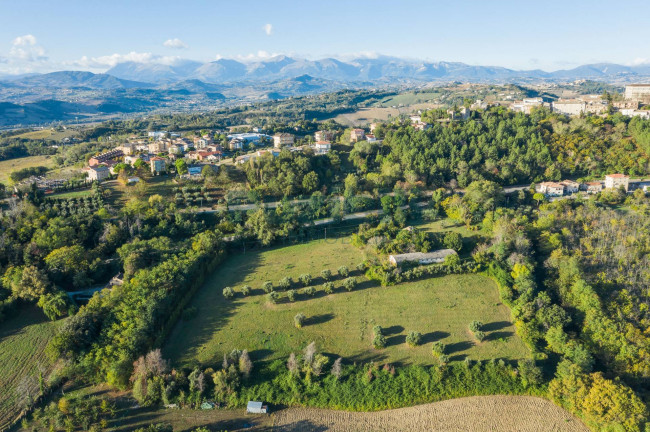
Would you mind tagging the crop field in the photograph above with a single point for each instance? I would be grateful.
(7, 166)
(23, 339)
(476, 414)
(340, 323)
(364, 116)
(47, 134)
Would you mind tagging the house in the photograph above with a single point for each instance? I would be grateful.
(371, 138)
(570, 186)
(157, 134)
(415, 119)
(593, 187)
(103, 157)
(157, 147)
(236, 144)
(579, 106)
(638, 92)
(255, 138)
(322, 147)
(644, 114)
(282, 139)
(437, 256)
(98, 172)
(324, 135)
(550, 188)
(357, 135)
(127, 148)
(158, 165)
(615, 181)
(176, 149)
(254, 407)
(422, 126)
(526, 105)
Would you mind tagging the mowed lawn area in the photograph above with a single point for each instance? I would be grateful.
(23, 339)
(340, 323)
(7, 166)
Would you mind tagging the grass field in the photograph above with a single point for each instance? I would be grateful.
(73, 194)
(23, 339)
(477, 414)
(340, 323)
(47, 134)
(7, 166)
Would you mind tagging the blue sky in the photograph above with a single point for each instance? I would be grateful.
(40, 35)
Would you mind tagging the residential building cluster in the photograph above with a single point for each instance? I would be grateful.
(569, 187)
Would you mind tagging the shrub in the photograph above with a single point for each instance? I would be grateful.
(475, 326)
(414, 338)
(350, 283)
(326, 274)
(299, 320)
(361, 266)
(285, 283)
(267, 287)
(438, 348)
(443, 359)
(246, 290)
(310, 291)
(453, 240)
(291, 295)
(273, 297)
(228, 292)
(305, 279)
(479, 335)
(328, 287)
(379, 341)
(343, 271)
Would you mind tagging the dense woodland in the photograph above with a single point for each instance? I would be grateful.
(574, 273)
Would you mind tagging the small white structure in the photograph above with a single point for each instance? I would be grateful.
(254, 407)
(570, 186)
(615, 181)
(437, 256)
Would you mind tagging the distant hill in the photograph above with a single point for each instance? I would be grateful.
(77, 79)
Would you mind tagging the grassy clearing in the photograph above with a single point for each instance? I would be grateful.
(47, 134)
(340, 323)
(478, 414)
(73, 194)
(23, 339)
(7, 166)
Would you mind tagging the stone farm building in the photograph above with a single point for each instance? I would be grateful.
(437, 256)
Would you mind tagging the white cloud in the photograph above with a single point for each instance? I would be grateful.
(175, 43)
(268, 29)
(24, 40)
(25, 49)
(260, 55)
(108, 61)
(640, 61)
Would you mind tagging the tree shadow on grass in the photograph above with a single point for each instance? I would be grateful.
(499, 335)
(496, 325)
(458, 347)
(396, 340)
(260, 354)
(388, 331)
(319, 319)
(433, 336)
(458, 357)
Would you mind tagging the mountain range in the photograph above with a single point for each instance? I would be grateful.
(381, 69)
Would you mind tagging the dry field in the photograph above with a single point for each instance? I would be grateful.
(476, 414)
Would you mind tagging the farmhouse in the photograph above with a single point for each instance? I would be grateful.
(324, 135)
(98, 173)
(638, 92)
(437, 256)
(615, 181)
(322, 147)
(282, 139)
(357, 135)
(593, 187)
(570, 186)
(254, 407)
(550, 188)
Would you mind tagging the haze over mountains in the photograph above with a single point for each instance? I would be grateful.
(380, 69)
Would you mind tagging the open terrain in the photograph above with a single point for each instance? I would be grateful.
(341, 323)
(23, 339)
(7, 166)
(477, 414)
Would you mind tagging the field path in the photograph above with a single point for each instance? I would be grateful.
(476, 414)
